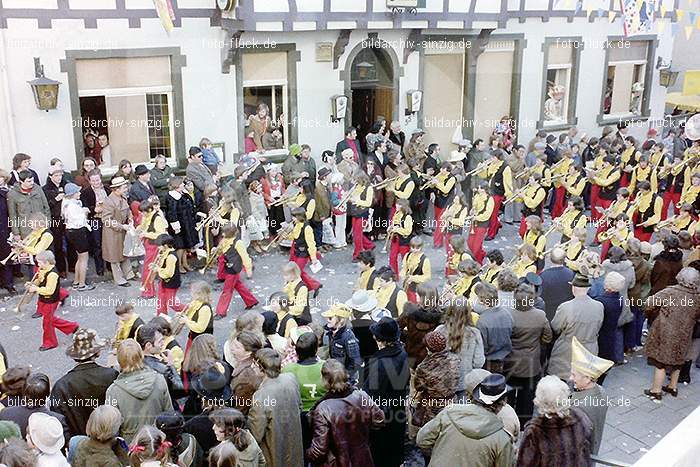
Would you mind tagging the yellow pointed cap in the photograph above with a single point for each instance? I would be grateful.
(586, 363)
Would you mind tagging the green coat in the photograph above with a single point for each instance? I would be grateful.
(160, 179)
(21, 205)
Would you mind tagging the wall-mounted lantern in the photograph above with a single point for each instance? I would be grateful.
(414, 100)
(339, 107)
(45, 90)
(667, 78)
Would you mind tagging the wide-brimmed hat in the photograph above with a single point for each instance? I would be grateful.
(386, 330)
(418, 131)
(118, 181)
(456, 156)
(362, 301)
(86, 344)
(580, 280)
(465, 143)
(340, 310)
(213, 383)
(533, 279)
(46, 432)
(645, 248)
(324, 172)
(70, 189)
(491, 389)
(140, 170)
(379, 313)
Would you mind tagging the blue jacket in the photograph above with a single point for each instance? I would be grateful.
(344, 347)
(209, 157)
(496, 326)
(612, 308)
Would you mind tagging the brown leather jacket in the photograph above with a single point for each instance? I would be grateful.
(341, 423)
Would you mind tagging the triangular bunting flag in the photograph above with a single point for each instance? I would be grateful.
(691, 18)
(674, 28)
(663, 10)
(579, 6)
(662, 26)
(611, 16)
(679, 14)
(589, 10)
(697, 25)
(165, 13)
(601, 12)
(688, 32)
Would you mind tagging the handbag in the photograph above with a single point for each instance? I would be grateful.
(328, 232)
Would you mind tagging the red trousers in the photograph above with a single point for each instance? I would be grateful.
(438, 237)
(310, 282)
(475, 242)
(624, 180)
(604, 250)
(670, 197)
(412, 297)
(395, 251)
(167, 298)
(359, 239)
(595, 189)
(148, 290)
(221, 268)
(231, 282)
(559, 202)
(641, 235)
(522, 230)
(51, 322)
(494, 222)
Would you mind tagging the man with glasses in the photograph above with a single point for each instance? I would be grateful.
(196, 171)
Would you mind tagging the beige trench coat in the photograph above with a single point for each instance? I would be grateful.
(115, 214)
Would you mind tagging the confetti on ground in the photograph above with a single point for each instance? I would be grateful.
(15, 328)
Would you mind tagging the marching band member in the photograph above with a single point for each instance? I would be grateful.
(389, 295)
(278, 303)
(152, 226)
(575, 248)
(453, 221)
(526, 262)
(483, 206)
(677, 176)
(628, 160)
(415, 268)
(535, 237)
(458, 252)
(41, 238)
(468, 278)
(368, 273)
(643, 171)
(617, 235)
(128, 323)
(403, 186)
(47, 287)
(401, 232)
(533, 198)
(561, 169)
(169, 273)
(198, 316)
(230, 214)
(358, 208)
(444, 191)
(645, 212)
(305, 198)
(619, 206)
(659, 154)
(235, 260)
(171, 348)
(607, 179)
(573, 218)
(495, 266)
(595, 189)
(683, 221)
(691, 193)
(298, 294)
(500, 187)
(575, 182)
(303, 247)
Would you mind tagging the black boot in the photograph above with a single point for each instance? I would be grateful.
(684, 376)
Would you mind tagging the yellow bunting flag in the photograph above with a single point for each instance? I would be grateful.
(663, 10)
(589, 10)
(662, 26)
(165, 14)
(679, 14)
(611, 16)
(688, 32)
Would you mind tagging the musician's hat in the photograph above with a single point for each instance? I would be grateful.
(86, 344)
(456, 156)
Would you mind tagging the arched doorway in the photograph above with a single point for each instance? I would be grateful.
(372, 89)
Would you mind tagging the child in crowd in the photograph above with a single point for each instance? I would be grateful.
(273, 190)
(236, 258)
(342, 343)
(128, 323)
(415, 268)
(340, 212)
(169, 274)
(368, 274)
(297, 292)
(259, 212)
(152, 226)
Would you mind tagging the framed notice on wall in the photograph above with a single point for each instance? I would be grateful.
(324, 51)
(220, 150)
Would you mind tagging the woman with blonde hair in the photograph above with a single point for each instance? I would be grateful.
(560, 434)
(150, 448)
(463, 338)
(101, 446)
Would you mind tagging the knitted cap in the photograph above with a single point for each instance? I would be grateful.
(435, 341)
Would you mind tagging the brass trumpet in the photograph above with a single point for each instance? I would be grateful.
(286, 199)
(663, 224)
(384, 183)
(429, 184)
(283, 233)
(163, 252)
(211, 216)
(561, 245)
(221, 248)
(481, 167)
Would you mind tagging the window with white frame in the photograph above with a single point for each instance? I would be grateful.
(625, 79)
(558, 80)
(265, 101)
(126, 109)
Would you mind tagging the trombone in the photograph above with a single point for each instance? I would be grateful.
(17, 250)
(486, 165)
(663, 224)
(561, 245)
(153, 267)
(221, 248)
(384, 183)
(218, 211)
(429, 184)
(283, 233)
(286, 199)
